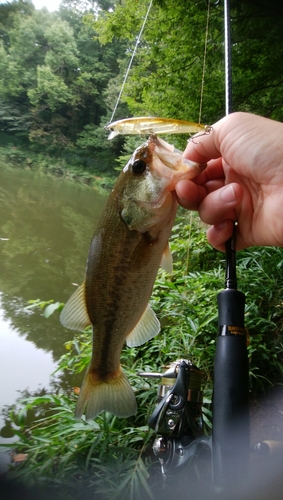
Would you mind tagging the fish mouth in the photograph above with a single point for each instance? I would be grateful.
(172, 165)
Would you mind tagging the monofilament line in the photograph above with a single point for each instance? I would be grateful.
(131, 60)
(204, 61)
(228, 58)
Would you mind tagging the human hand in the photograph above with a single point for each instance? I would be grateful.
(243, 181)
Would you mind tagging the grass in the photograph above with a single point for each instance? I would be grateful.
(112, 457)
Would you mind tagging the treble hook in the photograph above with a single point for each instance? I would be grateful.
(207, 130)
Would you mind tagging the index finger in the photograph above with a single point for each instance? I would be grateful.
(190, 193)
(206, 147)
(214, 170)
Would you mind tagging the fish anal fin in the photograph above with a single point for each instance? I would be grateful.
(74, 314)
(147, 328)
(113, 394)
(166, 260)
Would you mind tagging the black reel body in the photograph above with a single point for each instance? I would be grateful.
(177, 417)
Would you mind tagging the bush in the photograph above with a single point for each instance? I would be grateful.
(113, 455)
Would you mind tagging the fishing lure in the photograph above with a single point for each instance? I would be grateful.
(154, 125)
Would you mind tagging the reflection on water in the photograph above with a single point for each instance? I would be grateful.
(45, 228)
(20, 363)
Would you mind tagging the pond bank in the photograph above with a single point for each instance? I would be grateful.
(71, 166)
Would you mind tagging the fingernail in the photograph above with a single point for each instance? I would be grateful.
(228, 194)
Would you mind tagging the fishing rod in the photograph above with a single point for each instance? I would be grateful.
(230, 406)
(177, 417)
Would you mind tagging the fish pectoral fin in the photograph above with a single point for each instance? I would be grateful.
(147, 328)
(74, 314)
(114, 395)
(166, 260)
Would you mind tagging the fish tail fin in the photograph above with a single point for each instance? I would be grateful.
(113, 394)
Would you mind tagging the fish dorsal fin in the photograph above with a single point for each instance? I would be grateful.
(74, 314)
(147, 327)
(166, 260)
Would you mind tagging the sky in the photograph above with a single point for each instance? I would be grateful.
(51, 5)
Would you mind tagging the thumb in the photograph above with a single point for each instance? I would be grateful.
(218, 234)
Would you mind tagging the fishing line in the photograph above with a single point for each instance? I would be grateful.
(130, 63)
(204, 61)
(199, 118)
(228, 58)
(230, 246)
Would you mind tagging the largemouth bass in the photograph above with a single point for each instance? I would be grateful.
(129, 244)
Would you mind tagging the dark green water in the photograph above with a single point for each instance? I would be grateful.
(45, 229)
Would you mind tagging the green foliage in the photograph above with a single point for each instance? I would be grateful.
(91, 136)
(51, 86)
(54, 76)
(70, 165)
(61, 73)
(262, 282)
(59, 80)
(112, 456)
(105, 454)
(166, 78)
(49, 306)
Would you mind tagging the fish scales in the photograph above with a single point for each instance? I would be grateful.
(129, 244)
(120, 292)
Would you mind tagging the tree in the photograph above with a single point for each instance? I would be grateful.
(166, 78)
(257, 57)
(61, 73)
(54, 73)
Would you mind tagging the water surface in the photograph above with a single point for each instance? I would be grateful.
(46, 225)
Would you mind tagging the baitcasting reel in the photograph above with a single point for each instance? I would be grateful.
(178, 415)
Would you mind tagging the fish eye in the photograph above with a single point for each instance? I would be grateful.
(139, 166)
